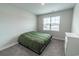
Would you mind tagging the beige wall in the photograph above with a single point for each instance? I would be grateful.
(13, 22)
(75, 24)
(65, 23)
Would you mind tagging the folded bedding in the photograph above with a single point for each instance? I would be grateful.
(36, 41)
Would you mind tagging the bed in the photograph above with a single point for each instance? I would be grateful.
(35, 41)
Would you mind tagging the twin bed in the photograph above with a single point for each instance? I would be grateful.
(35, 41)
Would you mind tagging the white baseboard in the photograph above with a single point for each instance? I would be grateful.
(14, 43)
(7, 46)
(59, 38)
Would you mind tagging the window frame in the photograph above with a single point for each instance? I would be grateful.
(50, 17)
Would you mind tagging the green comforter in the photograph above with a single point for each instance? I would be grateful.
(34, 40)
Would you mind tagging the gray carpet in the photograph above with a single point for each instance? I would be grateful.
(55, 48)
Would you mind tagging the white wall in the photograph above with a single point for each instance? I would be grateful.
(13, 22)
(65, 23)
(75, 24)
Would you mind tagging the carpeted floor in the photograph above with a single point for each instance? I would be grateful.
(55, 48)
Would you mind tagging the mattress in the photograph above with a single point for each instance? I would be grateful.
(36, 41)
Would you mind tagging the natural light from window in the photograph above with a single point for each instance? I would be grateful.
(51, 23)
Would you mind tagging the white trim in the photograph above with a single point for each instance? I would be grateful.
(7, 46)
(59, 38)
(10, 45)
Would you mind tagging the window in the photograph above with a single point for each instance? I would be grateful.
(51, 23)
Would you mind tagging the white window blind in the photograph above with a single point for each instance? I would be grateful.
(51, 23)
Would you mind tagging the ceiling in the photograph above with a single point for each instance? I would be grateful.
(37, 8)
